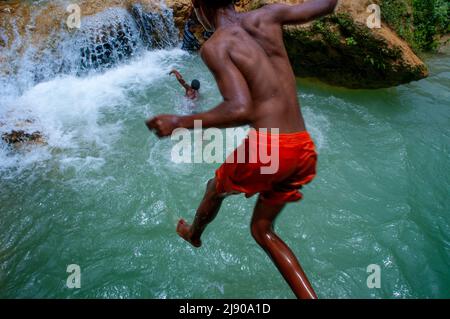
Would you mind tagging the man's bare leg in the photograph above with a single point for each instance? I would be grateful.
(262, 227)
(206, 212)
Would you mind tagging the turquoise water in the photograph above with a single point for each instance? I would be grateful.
(104, 194)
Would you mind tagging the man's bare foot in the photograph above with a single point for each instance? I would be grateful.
(184, 230)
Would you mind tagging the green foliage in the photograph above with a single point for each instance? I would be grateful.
(398, 14)
(431, 18)
(351, 41)
(419, 22)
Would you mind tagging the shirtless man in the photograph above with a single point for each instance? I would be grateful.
(192, 91)
(248, 59)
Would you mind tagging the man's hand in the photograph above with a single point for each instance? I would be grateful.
(163, 125)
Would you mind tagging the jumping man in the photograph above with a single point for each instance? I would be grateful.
(247, 57)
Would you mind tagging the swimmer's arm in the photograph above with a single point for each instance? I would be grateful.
(236, 105)
(180, 79)
(300, 13)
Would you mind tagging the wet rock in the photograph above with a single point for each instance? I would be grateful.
(16, 138)
(154, 27)
(182, 10)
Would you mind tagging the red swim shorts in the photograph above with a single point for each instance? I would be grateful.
(273, 165)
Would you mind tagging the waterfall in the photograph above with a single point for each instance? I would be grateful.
(157, 29)
(36, 54)
(103, 40)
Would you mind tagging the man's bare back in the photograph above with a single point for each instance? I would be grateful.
(247, 48)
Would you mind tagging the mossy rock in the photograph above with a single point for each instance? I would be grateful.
(342, 52)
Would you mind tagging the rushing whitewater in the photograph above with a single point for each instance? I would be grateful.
(47, 89)
(68, 109)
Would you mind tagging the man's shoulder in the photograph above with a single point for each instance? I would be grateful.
(262, 13)
(207, 48)
(216, 45)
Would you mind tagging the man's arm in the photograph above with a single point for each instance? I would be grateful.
(233, 111)
(180, 79)
(300, 13)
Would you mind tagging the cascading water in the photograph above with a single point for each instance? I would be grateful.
(156, 29)
(104, 40)
(116, 35)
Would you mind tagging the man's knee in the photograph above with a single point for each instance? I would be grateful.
(211, 187)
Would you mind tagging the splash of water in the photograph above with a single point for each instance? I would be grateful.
(59, 86)
(69, 110)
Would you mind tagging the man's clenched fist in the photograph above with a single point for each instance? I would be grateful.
(163, 125)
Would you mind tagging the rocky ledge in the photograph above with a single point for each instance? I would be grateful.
(339, 49)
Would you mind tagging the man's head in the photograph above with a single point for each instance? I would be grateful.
(206, 11)
(195, 84)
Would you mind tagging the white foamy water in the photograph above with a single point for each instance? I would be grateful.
(69, 110)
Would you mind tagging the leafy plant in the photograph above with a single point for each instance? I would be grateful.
(419, 22)
(351, 41)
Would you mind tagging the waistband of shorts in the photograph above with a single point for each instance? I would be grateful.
(266, 136)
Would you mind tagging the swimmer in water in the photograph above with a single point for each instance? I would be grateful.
(248, 59)
(192, 91)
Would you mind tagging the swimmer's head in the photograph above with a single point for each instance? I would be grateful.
(205, 11)
(195, 84)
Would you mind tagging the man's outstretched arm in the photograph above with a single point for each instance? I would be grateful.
(233, 111)
(180, 79)
(300, 13)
